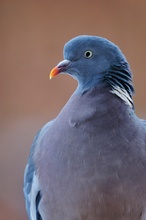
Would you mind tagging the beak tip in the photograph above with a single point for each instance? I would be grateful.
(54, 72)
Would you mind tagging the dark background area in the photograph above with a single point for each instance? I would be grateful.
(32, 35)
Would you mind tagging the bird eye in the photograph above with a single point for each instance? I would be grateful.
(88, 54)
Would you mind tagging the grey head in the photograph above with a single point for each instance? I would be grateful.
(95, 62)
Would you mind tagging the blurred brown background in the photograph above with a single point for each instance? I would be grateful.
(32, 35)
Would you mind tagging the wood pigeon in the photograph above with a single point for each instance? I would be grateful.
(89, 163)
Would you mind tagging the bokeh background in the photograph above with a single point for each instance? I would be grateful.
(32, 35)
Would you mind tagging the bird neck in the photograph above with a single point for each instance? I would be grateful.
(85, 84)
(118, 79)
(96, 104)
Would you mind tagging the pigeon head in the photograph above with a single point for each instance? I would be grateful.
(94, 62)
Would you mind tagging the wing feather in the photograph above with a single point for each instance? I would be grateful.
(32, 190)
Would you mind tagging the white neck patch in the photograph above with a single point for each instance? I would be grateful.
(123, 94)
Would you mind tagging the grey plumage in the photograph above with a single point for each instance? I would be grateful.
(90, 162)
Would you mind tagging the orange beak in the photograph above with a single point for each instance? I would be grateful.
(54, 72)
(60, 68)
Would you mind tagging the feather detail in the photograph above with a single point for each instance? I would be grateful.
(119, 79)
(31, 188)
(123, 94)
(33, 197)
